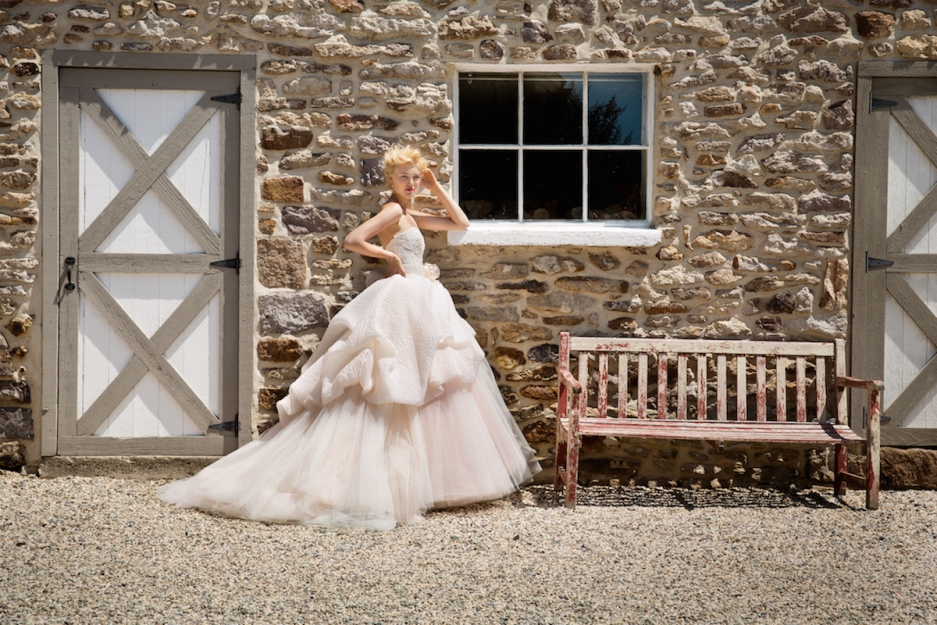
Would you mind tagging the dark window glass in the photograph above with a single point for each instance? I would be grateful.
(488, 183)
(616, 184)
(553, 184)
(553, 109)
(615, 109)
(487, 109)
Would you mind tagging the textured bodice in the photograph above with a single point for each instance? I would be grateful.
(409, 246)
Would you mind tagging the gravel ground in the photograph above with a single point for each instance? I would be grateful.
(102, 550)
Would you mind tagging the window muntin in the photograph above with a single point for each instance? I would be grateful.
(541, 146)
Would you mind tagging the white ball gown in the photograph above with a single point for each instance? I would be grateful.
(396, 412)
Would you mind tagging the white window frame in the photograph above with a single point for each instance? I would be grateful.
(585, 233)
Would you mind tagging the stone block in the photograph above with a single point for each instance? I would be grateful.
(279, 350)
(309, 219)
(291, 313)
(267, 398)
(16, 423)
(521, 332)
(273, 138)
(12, 455)
(284, 189)
(281, 263)
(15, 391)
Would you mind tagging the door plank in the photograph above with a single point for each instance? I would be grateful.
(128, 378)
(146, 351)
(143, 446)
(146, 177)
(916, 128)
(912, 263)
(919, 386)
(150, 263)
(913, 305)
(68, 300)
(123, 139)
(912, 224)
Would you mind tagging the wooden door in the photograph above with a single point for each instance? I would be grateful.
(148, 353)
(894, 302)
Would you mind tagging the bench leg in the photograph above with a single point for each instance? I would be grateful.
(560, 457)
(572, 470)
(840, 481)
(873, 447)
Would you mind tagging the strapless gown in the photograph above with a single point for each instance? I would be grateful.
(396, 412)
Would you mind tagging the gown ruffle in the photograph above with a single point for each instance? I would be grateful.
(396, 412)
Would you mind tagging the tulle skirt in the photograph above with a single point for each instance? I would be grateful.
(355, 463)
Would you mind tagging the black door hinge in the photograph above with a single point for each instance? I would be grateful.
(875, 104)
(234, 98)
(231, 263)
(876, 263)
(227, 426)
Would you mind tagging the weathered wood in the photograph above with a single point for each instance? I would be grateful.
(741, 386)
(681, 386)
(642, 386)
(573, 422)
(761, 395)
(699, 346)
(602, 395)
(801, 367)
(721, 392)
(780, 390)
(623, 385)
(142, 446)
(150, 263)
(912, 303)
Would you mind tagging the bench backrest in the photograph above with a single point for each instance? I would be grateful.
(632, 359)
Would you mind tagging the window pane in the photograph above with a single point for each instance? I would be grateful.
(487, 109)
(553, 109)
(488, 183)
(615, 109)
(616, 184)
(552, 184)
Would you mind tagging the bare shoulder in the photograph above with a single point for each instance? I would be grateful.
(392, 209)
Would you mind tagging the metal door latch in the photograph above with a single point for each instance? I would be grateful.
(231, 263)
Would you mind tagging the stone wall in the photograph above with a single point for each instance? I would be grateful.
(753, 146)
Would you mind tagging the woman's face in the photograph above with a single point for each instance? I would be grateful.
(405, 181)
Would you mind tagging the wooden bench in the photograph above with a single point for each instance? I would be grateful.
(677, 414)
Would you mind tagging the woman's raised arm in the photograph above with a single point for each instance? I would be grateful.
(456, 219)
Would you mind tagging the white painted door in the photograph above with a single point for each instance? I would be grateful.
(898, 218)
(148, 325)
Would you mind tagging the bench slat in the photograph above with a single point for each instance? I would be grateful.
(622, 385)
(661, 386)
(821, 389)
(752, 431)
(721, 401)
(801, 389)
(701, 389)
(781, 390)
(741, 381)
(701, 346)
(761, 395)
(642, 386)
(603, 385)
(681, 386)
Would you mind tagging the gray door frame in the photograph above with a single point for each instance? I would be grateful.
(888, 81)
(53, 275)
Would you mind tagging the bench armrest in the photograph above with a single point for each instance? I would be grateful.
(567, 379)
(869, 385)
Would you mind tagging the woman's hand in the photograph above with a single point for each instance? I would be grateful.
(428, 180)
(394, 267)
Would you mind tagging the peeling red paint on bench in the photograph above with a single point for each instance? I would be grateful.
(712, 425)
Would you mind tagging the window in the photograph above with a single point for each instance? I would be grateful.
(553, 146)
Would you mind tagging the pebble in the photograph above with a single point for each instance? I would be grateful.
(104, 550)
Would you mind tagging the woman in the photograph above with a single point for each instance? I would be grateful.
(396, 411)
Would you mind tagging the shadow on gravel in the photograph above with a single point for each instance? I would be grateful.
(689, 499)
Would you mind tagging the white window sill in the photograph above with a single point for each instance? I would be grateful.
(552, 235)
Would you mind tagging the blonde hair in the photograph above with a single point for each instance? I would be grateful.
(403, 155)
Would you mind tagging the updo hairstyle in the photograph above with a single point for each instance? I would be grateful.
(403, 155)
